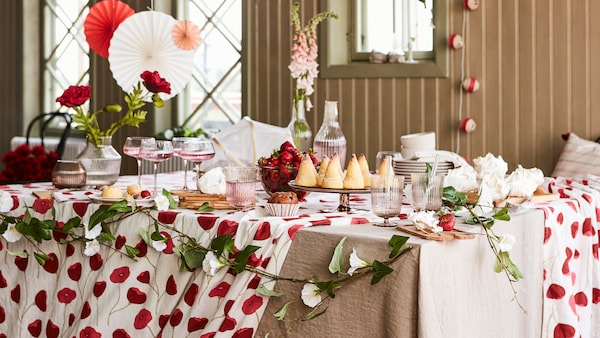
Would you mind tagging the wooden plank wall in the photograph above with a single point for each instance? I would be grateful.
(536, 61)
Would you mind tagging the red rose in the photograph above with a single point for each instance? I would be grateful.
(154, 83)
(74, 96)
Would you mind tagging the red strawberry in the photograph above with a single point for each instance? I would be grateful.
(145, 193)
(447, 221)
(286, 157)
(289, 146)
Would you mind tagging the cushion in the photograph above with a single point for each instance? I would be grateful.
(578, 158)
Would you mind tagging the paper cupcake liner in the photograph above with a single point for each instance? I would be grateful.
(282, 210)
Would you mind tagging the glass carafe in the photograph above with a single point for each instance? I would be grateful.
(330, 139)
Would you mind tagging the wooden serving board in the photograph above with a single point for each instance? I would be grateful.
(440, 236)
(195, 199)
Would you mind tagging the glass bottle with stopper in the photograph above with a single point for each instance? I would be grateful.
(330, 139)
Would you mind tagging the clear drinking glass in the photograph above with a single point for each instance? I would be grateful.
(386, 197)
(241, 186)
(132, 148)
(156, 151)
(178, 143)
(426, 191)
(197, 151)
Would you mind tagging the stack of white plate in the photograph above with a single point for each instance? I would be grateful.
(407, 167)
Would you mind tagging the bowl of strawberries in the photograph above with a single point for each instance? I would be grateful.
(277, 170)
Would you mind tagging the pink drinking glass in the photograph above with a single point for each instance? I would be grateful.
(156, 151)
(197, 151)
(132, 148)
(178, 143)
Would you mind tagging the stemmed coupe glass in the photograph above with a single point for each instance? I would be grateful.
(156, 151)
(197, 151)
(132, 148)
(178, 143)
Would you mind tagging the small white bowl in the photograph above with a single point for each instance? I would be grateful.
(282, 210)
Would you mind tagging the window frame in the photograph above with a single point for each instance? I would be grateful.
(335, 45)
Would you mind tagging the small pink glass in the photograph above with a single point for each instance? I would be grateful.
(156, 151)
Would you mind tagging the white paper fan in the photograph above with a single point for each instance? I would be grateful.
(143, 42)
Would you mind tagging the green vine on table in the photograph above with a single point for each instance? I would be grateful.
(455, 200)
(220, 253)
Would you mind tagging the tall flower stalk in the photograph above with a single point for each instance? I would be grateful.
(304, 66)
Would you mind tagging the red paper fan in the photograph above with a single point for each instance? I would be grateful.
(102, 21)
(186, 35)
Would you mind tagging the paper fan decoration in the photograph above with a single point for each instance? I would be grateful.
(143, 42)
(102, 21)
(186, 35)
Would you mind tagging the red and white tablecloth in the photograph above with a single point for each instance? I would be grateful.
(111, 295)
(571, 264)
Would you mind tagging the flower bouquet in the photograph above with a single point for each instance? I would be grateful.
(26, 164)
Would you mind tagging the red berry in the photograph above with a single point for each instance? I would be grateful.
(288, 146)
(145, 193)
(286, 157)
(447, 222)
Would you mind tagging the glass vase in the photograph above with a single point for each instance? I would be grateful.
(299, 128)
(102, 163)
(330, 139)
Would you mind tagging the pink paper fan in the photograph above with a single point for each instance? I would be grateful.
(102, 21)
(186, 35)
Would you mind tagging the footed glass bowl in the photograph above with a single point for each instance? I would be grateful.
(276, 178)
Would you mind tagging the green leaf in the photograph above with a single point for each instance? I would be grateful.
(222, 243)
(106, 237)
(381, 270)
(120, 206)
(241, 258)
(502, 215)
(145, 235)
(193, 257)
(396, 242)
(313, 314)
(262, 290)
(131, 251)
(205, 207)
(327, 286)
(172, 202)
(72, 223)
(20, 254)
(280, 314)
(337, 261)
(41, 258)
(103, 213)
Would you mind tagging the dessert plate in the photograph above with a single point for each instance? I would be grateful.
(140, 202)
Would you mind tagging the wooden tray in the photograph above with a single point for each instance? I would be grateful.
(440, 236)
(193, 200)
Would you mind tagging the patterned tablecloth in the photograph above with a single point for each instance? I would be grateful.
(109, 294)
(112, 295)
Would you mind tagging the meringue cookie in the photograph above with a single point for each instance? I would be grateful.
(425, 221)
(490, 166)
(213, 182)
(463, 179)
(523, 182)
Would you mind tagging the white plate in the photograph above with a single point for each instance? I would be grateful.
(140, 202)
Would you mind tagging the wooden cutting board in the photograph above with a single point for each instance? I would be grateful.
(195, 199)
(440, 236)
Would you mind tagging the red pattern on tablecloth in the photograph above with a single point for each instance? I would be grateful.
(109, 294)
(571, 241)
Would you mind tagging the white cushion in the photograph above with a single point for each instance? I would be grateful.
(578, 158)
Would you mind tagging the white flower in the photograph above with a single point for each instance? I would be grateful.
(211, 264)
(506, 242)
(356, 263)
(11, 234)
(425, 221)
(94, 232)
(159, 245)
(6, 201)
(91, 248)
(311, 295)
(162, 202)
